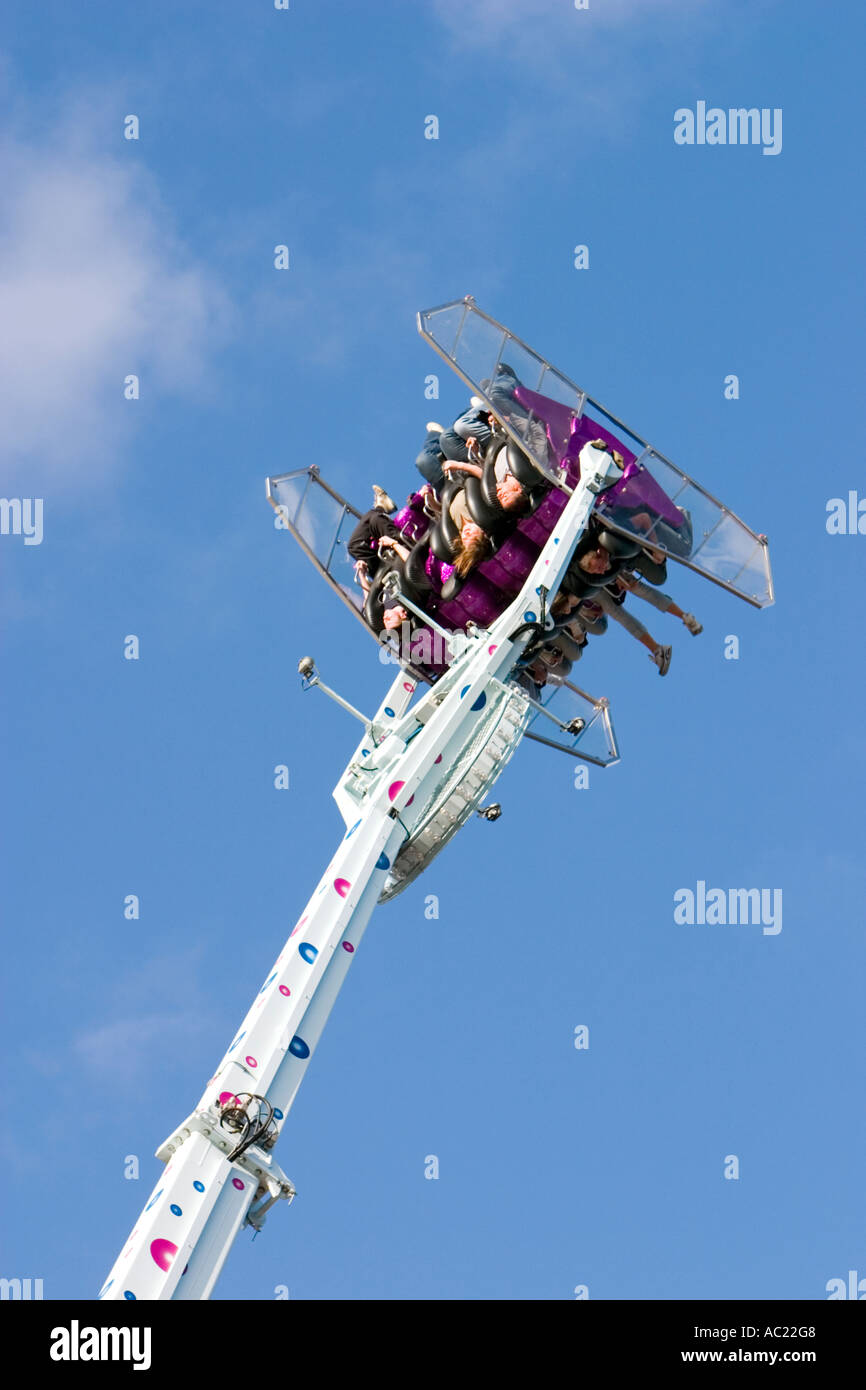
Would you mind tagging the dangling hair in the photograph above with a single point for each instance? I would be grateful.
(466, 556)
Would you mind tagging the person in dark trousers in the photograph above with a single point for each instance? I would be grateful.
(374, 534)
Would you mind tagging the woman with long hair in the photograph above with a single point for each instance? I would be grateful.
(472, 544)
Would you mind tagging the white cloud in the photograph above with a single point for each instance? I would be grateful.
(130, 1048)
(136, 1039)
(94, 285)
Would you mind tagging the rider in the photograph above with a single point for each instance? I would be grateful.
(374, 532)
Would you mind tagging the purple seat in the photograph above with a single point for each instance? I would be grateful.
(511, 564)
(479, 601)
(412, 519)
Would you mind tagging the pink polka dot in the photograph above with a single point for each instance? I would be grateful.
(409, 802)
(251, 1062)
(491, 650)
(284, 989)
(227, 1095)
(342, 885)
(437, 760)
(236, 1182)
(163, 1252)
(347, 946)
(407, 685)
(395, 789)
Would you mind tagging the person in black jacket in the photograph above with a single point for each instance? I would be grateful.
(374, 534)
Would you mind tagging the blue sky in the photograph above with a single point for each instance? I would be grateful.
(452, 1037)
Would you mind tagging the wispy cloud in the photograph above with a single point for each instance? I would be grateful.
(129, 1048)
(158, 1012)
(95, 284)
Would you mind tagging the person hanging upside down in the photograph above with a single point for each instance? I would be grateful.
(473, 544)
(663, 602)
(510, 494)
(615, 609)
(374, 529)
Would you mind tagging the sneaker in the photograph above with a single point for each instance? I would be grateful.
(662, 659)
(692, 624)
(432, 428)
(382, 500)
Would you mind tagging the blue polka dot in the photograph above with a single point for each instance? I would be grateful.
(556, 540)
(237, 1040)
(463, 691)
(298, 1047)
(154, 1198)
(199, 1186)
(529, 616)
(308, 952)
(538, 590)
(278, 1114)
(175, 1209)
(128, 1294)
(267, 982)
(106, 1288)
(389, 712)
(352, 831)
(480, 702)
(365, 752)
(383, 862)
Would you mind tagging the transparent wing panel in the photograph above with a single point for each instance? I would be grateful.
(655, 502)
(495, 365)
(566, 706)
(321, 521)
(658, 504)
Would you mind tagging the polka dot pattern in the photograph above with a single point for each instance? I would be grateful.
(162, 1252)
